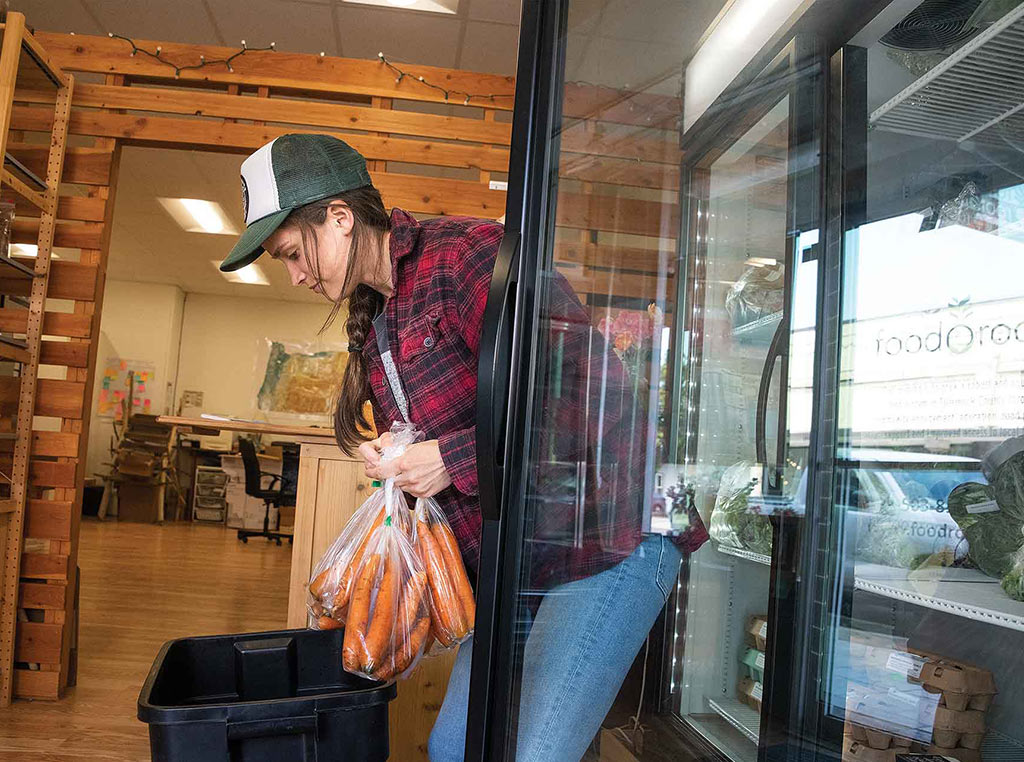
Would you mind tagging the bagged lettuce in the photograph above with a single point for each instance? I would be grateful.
(992, 516)
(733, 523)
(1013, 582)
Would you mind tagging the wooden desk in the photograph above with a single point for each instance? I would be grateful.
(303, 433)
(331, 487)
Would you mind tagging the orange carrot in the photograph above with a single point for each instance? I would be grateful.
(446, 614)
(316, 587)
(382, 622)
(411, 648)
(345, 583)
(354, 646)
(326, 623)
(457, 569)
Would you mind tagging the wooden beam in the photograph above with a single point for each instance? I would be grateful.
(45, 60)
(69, 235)
(54, 323)
(38, 200)
(48, 520)
(618, 215)
(55, 397)
(44, 566)
(198, 134)
(38, 642)
(285, 110)
(605, 256)
(36, 684)
(277, 70)
(68, 280)
(83, 166)
(35, 595)
(66, 353)
(599, 139)
(10, 54)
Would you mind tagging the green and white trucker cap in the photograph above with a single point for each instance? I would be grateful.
(289, 172)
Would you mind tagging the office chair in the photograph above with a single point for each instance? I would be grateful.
(254, 488)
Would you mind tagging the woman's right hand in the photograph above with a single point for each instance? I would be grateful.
(371, 451)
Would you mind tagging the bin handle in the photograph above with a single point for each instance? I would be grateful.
(274, 727)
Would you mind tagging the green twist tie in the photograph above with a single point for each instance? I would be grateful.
(387, 521)
(375, 483)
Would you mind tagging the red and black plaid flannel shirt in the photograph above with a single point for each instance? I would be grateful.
(585, 520)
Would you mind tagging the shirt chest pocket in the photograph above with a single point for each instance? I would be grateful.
(422, 337)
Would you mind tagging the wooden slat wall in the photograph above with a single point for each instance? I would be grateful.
(619, 154)
(49, 564)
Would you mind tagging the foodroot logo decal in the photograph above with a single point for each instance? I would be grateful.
(957, 334)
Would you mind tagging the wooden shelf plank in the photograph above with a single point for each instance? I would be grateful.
(19, 269)
(43, 59)
(38, 200)
(32, 176)
(10, 351)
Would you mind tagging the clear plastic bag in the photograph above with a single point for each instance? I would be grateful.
(451, 600)
(387, 627)
(1013, 582)
(330, 587)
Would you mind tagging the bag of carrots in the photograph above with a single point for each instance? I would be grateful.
(449, 594)
(334, 575)
(387, 627)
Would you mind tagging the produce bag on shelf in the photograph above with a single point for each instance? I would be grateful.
(756, 294)
(733, 523)
(334, 574)
(387, 627)
(992, 515)
(1013, 582)
(451, 601)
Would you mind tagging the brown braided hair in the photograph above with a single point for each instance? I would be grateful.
(371, 222)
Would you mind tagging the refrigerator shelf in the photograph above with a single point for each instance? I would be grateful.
(962, 592)
(740, 716)
(760, 330)
(747, 555)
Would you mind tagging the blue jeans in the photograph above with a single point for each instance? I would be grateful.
(582, 643)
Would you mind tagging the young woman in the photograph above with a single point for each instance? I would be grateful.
(415, 293)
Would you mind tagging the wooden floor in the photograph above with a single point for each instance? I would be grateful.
(143, 584)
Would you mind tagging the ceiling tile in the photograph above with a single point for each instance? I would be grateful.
(57, 16)
(296, 27)
(491, 48)
(406, 36)
(502, 11)
(178, 21)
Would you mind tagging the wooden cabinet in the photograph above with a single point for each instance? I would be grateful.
(331, 487)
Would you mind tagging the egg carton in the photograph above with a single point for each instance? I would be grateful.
(954, 729)
(875, 739)
(859, 751)
(962, 686)
(757, 632)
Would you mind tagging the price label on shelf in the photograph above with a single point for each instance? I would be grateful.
(905, 664)
(987, 506)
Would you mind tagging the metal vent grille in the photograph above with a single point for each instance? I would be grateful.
(934, 25)
(976, 93)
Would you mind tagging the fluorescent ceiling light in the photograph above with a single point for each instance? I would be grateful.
(740, 33)
(250, 274)
(199, 216)
(431, 6)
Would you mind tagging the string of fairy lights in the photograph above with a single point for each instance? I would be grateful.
(401, 74)
(203, 60)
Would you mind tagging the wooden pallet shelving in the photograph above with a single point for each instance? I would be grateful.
(24, 60)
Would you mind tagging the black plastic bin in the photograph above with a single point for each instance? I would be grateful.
(262, 697)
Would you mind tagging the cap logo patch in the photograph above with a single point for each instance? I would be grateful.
(245, 200)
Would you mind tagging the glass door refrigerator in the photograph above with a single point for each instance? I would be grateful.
(760, 295)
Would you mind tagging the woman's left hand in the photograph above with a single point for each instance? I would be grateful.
(420, 470)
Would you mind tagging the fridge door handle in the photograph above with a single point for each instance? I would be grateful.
(775, 350)
(493, 375)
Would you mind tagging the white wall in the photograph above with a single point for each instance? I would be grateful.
(224, 346)
(201, 342)
(140, 321)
